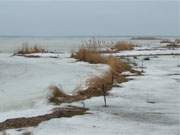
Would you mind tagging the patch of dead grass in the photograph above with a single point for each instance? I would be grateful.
(94, 57)
(98, 85)
(26, 49)
(23, 122)
(88, 55)
(123, 46)
(57, 94)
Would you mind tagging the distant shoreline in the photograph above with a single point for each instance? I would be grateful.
(133, 37)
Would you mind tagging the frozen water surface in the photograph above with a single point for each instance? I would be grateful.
(148, 104)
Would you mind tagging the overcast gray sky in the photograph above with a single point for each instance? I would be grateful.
(60, 18)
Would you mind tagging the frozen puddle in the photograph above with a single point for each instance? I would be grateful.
(147, 105)
(24, 81)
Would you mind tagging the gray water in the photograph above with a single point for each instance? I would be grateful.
(58, 44)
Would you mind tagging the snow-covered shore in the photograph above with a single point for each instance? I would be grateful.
(148, 52)
(24, 81)
(148, 104)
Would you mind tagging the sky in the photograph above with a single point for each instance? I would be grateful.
(85, 17)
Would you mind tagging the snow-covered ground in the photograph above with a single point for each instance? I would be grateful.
(148, 105)
(24, 81)
(148, 52)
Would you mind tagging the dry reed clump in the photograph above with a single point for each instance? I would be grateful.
(88, 55)
(93, 56)
(23, 122)
(123, 46)
(177, 41)
(97, 86)
(117, 66)
(26, 49)
(90, 51)
(172, 46)
(57, 94)
(97, 44)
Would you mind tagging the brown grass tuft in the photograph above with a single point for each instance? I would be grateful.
(115, 64)
(23, 122)
(102, 81)
(88, 54)
(122, 46)
(93, 56)
(26, 49)
(56, 94)
(172, 45)
(97, 86)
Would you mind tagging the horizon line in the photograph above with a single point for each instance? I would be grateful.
(89, 36)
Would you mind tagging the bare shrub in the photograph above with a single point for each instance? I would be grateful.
(105, 79)
(88, 55)
(122, 46)
(56, 94)
(177, 41)
(115, 64)
(165, 41)
(172, 45)
(98, 85)
(97, 44)
(93, 56)
(26, 49)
